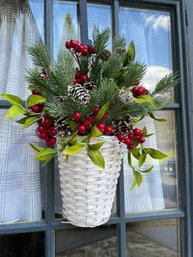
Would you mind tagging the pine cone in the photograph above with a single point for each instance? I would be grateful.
(60, 98)
(90, 85)
(126, 96)
(63, 128)
(78, 92)
(120, 51)
(105, 55)
(122, 126)
(44, 74)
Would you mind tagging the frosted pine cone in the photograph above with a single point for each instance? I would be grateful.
(120, 51)
(104, 55)
(90, 85)
(63, 128)
(126, 96)
(44, 74)
(79, 93)
(122, 126)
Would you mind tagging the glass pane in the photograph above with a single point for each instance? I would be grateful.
(151, 32)
(159, 187)
(99, 16)
(21, 24)
(20, 196)
(86, 242)
(23, 245)
(65, 24)
(153, 239)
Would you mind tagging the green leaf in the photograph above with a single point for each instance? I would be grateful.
(21, 121)
(155, 154)
(96, 157)
(63, 144)
(75, 149)
(135, 153)
(131, 51)
(138, 177)
(96, 146)
(35, 147)
(73, 125)
(156, 118)
(142, 159)
(133, 185)
(46, 154)
(46, 161)
(129, 158)
(34, 99)
(144, 131)
(95, 132)
(72, 141)
(101, 113)
(14, 111)
(13, 99)
(146, 99)
(147, 170)
(29, 121)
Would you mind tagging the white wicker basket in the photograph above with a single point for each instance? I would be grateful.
(88, 191)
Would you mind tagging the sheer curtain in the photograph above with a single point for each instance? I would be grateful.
(19, 172)
(135, 24)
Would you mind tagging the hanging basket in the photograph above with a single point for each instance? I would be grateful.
(88, 191)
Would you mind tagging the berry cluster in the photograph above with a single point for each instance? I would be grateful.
(83, 126)
(80, 77)
(82, 49)
(136, 136)
(139, 91)
(46, 131)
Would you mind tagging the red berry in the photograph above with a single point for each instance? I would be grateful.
(42, 135)
(51, 141)
(83, 78)
(77, 116)
(104, 117)
(87, 123)
(53, 132)
(130, 147)
(47, 122)
(91, 119)
(35, 92)
(47, 131)
(140, 91)
(81, 129)
(135, 90)
(131, 137)
(67, 44)
(120, 137)
(75, 81)
(127, 141)
(141, 140)
(137, 132)
(78, 72)
(40, 129)
(95, 110)
(36, 108)
(91, 50)
(101, 127)
(74, 43)
(108, 130)
(84, 51)
(77, 49)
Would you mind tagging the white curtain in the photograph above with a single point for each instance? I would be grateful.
(19, 172)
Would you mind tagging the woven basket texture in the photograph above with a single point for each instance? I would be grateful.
(88, 191)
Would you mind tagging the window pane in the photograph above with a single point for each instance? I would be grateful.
(65, 24)
(159, 187)
(22, 245)
(87, 242)
(151, 32)
(153, 239)
(21, 24)
(99, 16)
(20, 196)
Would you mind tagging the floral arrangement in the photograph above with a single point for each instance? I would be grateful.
(87, 93)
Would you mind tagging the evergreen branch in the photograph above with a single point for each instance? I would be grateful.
(138, 110)
(100, 39)
(119, 42)
(112, 66)
(166, 83)
(39, 54)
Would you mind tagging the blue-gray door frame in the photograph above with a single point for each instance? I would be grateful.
(183, 48)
